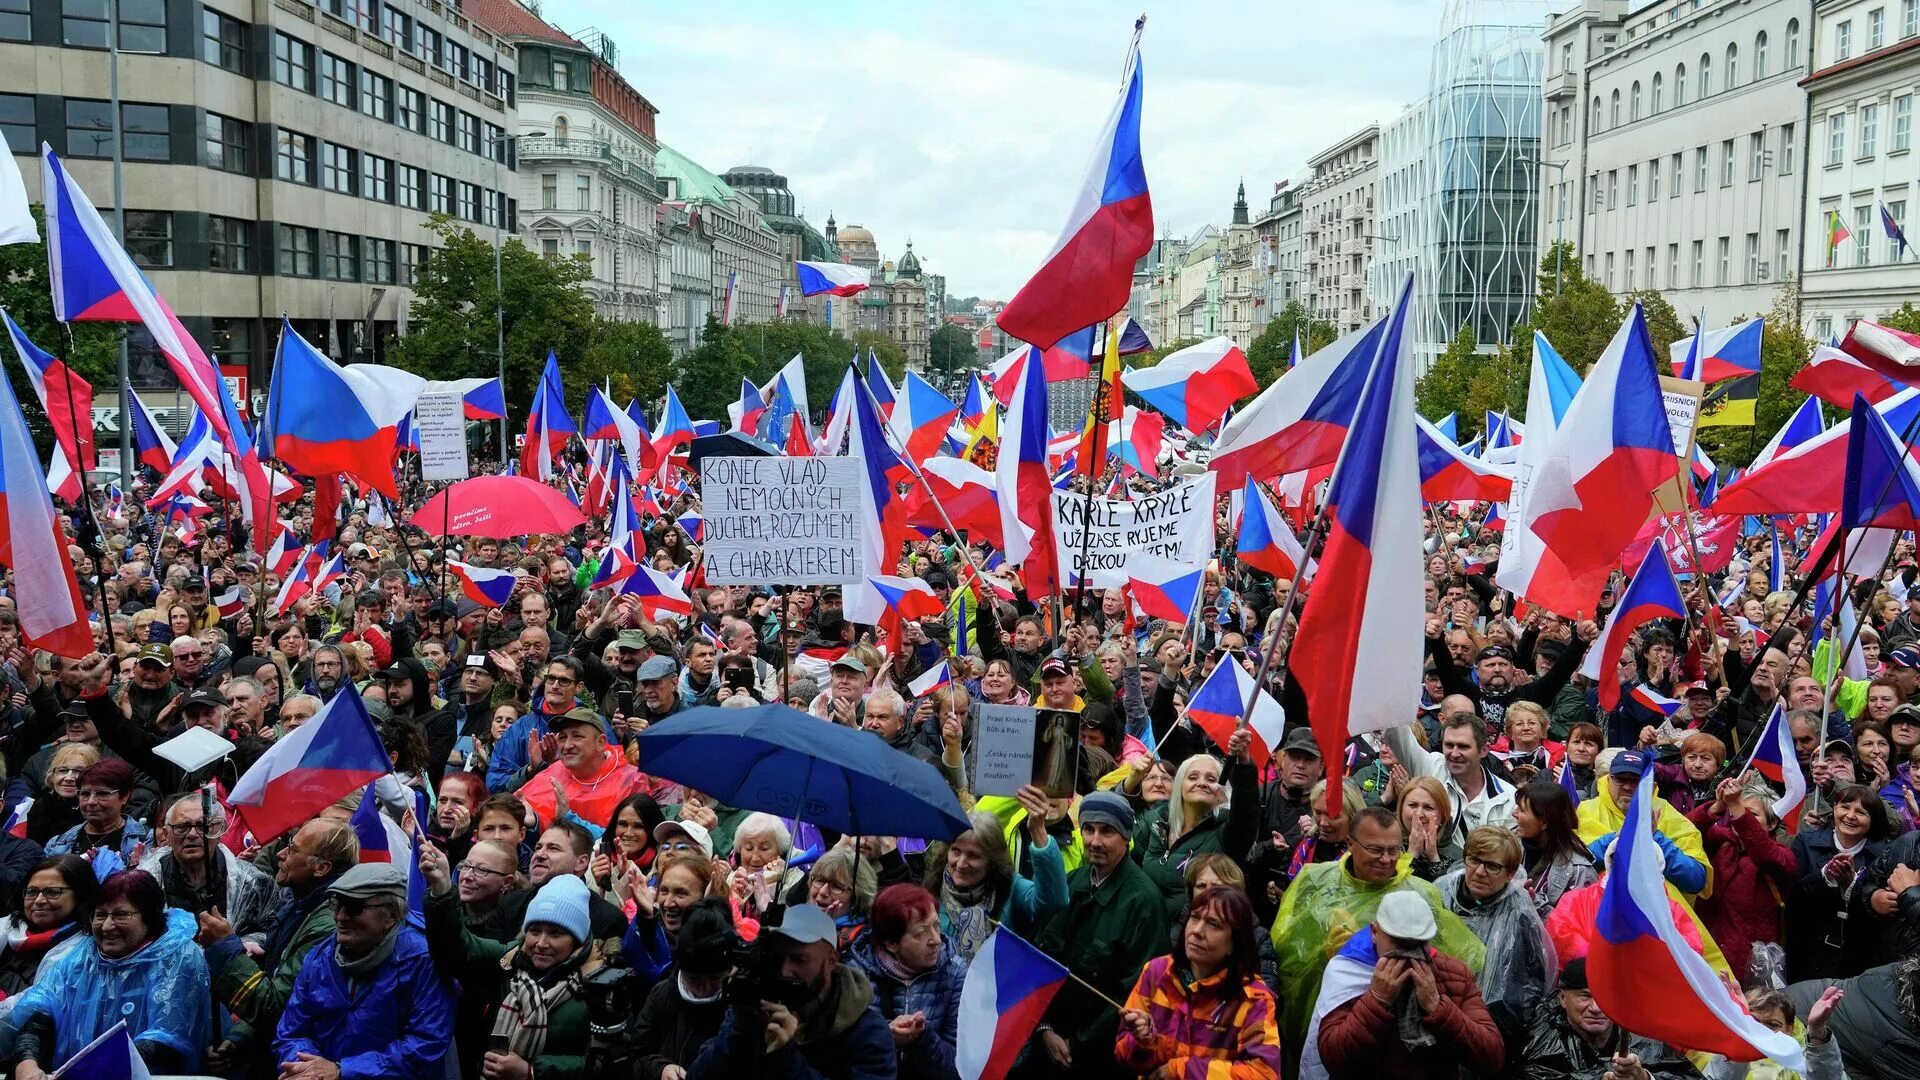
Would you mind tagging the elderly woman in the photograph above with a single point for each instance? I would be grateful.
(1521, 967)
(977, 883)
(1204, 1003)
(59, 809)
(1327, 841)
(761, 875)
(1752, 872)
(843, 886)
(1427, 815)
(140, 966)
(105, 787)
(1201, 816)
(535, 1019)
(56, 907)
(916, 978)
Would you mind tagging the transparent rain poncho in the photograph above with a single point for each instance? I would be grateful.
(161, 991)
(1521, 965)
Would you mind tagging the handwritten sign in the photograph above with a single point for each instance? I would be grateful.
(783, 520)
(1175, 524)
(1682, 400)
(1003, 741)
(441, 422)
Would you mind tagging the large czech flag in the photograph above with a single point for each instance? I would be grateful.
(45, 592)
(965, 491)
(1646, 977)
(65, 397)
(1835, 377)
(1359, 645)
(325, 418)
(1221, 701)
(921, 418)
(1654, 593)
(312, 768)
(1197, 385)
(1089, 273)
(1299, 421)
(1022, 475)
(832, 278)
(1266, 542)
(1726, 353)
(548, 425)
(1447, 474)
(1805, 425)
(1882, 486)
(1811, 477)
(1165, 589)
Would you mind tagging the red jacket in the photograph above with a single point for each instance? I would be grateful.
(1361, 1037)
(1753, 875)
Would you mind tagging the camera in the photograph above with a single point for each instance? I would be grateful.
(756, 978)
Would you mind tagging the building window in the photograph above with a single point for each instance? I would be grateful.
(1699, 265)
(549, 248)
(1756, 155)
(1699, 169)
(468, 207)
(340, 258)
(223, 41)
(229, 144)
(428, 47)
(1836, 139)
(1726, 261)
(16, 20)
(441, 190)
(1653, 180)
(146, 130)
(376, 95)
(292, 62)
(1633, 101)
(16, 121)
(1726, 163)
(1593, 123)
(413, 259)
(396, 28)
(1876, 28)
(1673, 266)
(1909, 18)
(336, 168)
(1733, 66)
(294, 254)
(1755, 274)
(336, 80)
(229, 246)
(582, 192)
(1706, 76)
(1679, 85)
(440, 126)
(1843, 40)
(1760, 56)
(1869, 130)
(1897, 210)
(410, 108)
(150, 238)
(549, 191)
(1656, 103)
(1793, 43)
(1613, 109)
(1679, 176)
(1788, 147)
(1630, 271)
(293, 156)
(1781, 252)
(1633, 185)
(412, 188)
(379, 261)
(1902, 123)
(143, 25)
(1862, 235)
(1609, 277)
(562, 74)
(469, 133)
(376, 177)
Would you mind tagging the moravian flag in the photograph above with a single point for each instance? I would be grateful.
(1107, 397)
(1731, 404)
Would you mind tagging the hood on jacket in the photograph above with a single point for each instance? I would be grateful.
(851, 995)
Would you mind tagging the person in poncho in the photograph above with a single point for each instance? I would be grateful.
(1330, 902)
(1689, 875)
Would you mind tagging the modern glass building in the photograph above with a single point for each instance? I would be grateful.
(1464, 171)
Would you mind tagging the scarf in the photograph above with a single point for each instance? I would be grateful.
(365, 966)
(968, 920)
(1407, 1015)
(24, 942)
(525, 1011)
(892, 968)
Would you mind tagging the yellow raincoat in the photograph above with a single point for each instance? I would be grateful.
(1599, 816)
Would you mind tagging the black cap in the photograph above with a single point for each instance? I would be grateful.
(211, 698)
(1574, 975)
(706, 943)
(395, 672)
(442, 609)
(484, 662)
(1494, 652)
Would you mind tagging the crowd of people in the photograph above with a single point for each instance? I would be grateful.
(1220, 909)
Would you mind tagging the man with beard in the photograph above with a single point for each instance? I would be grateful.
(1494, 668)
(815, 1017)
(410, 698)
(329, 672)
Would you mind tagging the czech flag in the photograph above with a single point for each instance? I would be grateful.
(1299, 421)
(605, 420)
(548, 425)
(744, 413)
(1136, 439)
(1197, 385)
(1726, 353)
(329, 571)
(676, 427)
(832, 278)
(150, 444)
(693, 525)
(921, 418)
(283, 552)
(910, 598)
(1882, 485)
(1266, 542)
(369, 824)
(1222, 699)
(230, 603)
(1805, 425)
(1022, 476)
(1651, 698)
(1447, 474)
(1835, 377)
(331, 419)
(45, 592)
(879, 385)
(1089, 273)
(312, 767)
(1893, 353)
(1646, 977)
(967, 493)
(1594, 484)
(481, 399)
(1006, 993)
(1360, 631)
(1165, 589)
(1810, 478)
(935, 677)
(294, 586)
(66, 398)
(483, 585)
(659, 593)
(884, 526)
(1654, 593)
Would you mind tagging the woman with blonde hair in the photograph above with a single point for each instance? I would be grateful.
(1426, 814)
(1200, 817)
(59, 810)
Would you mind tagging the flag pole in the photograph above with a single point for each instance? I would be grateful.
(1274, 652)
(1092, 470)
(1090, 988)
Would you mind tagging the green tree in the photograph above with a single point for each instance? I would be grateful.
(708, 379)
(1579, 316)
(635, 358)
(1270, 353)
(1443, 389)
(1664, 326)
(451, 334)
(1906, 319)
(950, 351)
(893, 361)
(26, 293)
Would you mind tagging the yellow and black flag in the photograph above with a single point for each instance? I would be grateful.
(1108, 400)
(1731, 404)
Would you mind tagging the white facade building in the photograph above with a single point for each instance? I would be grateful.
(1675, 147)
(1405, 183)
(1860, 97)
(1338, 208)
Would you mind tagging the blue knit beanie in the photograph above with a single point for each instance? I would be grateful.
(562, 901)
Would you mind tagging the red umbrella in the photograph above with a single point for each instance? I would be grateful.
(498, 506)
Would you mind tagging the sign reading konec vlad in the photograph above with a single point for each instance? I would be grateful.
(783, 520)
(1175, 524)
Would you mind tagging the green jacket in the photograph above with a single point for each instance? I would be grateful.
(1165, 857)
(256, 997)
(483, 965)
(1105, 936)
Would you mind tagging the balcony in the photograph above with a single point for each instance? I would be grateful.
(1564, 85)
(589, 150)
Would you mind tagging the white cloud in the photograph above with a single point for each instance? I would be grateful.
(966, 127)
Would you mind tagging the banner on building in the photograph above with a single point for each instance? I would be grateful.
(783, 520)
(1098, 537)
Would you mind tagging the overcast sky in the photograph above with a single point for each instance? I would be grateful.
(966, 126)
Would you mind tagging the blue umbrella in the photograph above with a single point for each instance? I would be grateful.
(783, 761)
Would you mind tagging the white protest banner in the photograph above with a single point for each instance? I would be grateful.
(1003, 747)
(440, 420)
(1175, 524)
(783, 520)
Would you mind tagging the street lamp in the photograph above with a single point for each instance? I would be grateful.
(1559, 220)
(499, 291)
